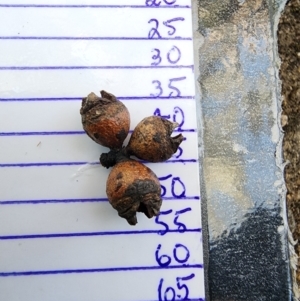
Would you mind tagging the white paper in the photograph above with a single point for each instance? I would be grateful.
(60, 240)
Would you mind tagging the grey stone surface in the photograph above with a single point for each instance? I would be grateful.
(240, 150)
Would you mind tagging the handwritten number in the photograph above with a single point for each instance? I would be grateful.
(168, 24)
(156, 57)
(166, 292)
(178, 116)
(178, 112)
(183, 286)
(176, 186)
(154, 33)
(154, 30)
(173, 56)
(163, 260)
(158, 87)
(181, 227)
(171, 80)
(157, 113)
(157, 221)
(187, 256)
(152, 3)
(164, 189)
(171, 86)
(173, 294)
(176, 182)
(181, 253)
(159, 289)
(164, 296)
(177, 58)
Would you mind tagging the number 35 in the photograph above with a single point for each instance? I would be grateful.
(175, 92)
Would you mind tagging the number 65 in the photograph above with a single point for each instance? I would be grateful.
(170, 293)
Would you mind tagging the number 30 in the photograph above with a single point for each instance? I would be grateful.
(173, 56)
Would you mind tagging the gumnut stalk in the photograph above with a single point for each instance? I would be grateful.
(105, 119)
(151, 139)
(132, 187)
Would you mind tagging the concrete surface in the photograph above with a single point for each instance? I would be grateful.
(243, 190)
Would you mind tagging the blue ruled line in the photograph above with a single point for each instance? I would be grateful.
(107, 233)
(23, 99)
(87, 6)
(47, 164)
(68, 133)
(39, 164)
(93, 38)
(26, 68)
(89, 200)
(41, 133)
(100, 270)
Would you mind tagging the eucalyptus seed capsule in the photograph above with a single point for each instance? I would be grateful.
(151, 139)
(105, 119)
(132, 187)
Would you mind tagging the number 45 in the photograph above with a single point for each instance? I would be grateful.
(175, 91)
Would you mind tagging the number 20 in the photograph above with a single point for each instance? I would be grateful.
(154, 3)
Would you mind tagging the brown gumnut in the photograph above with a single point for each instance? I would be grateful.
(132, 187)
(105, 119)
(151, 140)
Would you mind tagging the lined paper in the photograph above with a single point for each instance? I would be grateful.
(59, 237)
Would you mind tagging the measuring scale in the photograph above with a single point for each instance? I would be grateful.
(59, 237)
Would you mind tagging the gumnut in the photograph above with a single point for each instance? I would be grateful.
(151, 139)
(105, 119)
(132, 187)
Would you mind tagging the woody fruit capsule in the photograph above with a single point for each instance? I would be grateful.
(151, 139)
(131, 186)
(105, 119)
